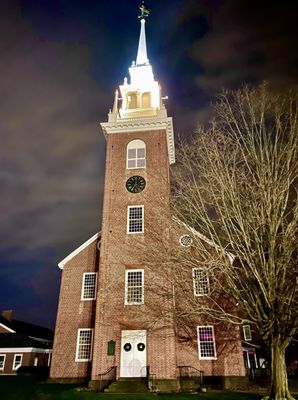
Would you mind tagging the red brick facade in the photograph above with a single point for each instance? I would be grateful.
(109, 315)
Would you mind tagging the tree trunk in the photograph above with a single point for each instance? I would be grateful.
(279, 389)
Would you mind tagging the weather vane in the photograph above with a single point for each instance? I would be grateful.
(144, 11)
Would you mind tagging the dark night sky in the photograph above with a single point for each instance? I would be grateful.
(60, 62)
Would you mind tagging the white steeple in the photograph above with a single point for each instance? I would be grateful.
(142, 49)
(141, 106)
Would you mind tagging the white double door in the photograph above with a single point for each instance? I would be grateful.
(133, 362)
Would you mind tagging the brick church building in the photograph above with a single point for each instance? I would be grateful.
(106, 327)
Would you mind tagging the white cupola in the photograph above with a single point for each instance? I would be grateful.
(140, 97)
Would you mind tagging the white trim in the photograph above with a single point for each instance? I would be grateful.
(246, 329)
(83, 285)
(14, 360)
(135, 144)
(8, 329)
(23, 350)
(3, 355)
(77, 347)
(78, 250)
(50, 358)
(142, 125)
(127, 271)
(246, 351)
(214, 346)
(143, 220)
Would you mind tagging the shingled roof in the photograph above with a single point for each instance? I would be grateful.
(10, 340)
(32, 330)
(24, 334)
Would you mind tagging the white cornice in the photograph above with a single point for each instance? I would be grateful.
(23, 350)
(78, 250)
(143, 125)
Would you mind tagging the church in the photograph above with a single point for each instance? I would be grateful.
(111, 325)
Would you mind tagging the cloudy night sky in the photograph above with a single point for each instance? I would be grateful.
(60, 62)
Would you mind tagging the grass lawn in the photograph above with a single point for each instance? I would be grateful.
(27, 388)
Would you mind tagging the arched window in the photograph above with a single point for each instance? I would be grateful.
(132, 100)
(146, 100)
(136, 154)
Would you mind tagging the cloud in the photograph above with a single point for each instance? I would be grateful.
(51, 166)
(248, 42)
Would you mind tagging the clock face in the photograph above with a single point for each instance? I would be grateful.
(135, 184)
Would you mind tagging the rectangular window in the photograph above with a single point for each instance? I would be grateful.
(17, 361)
(206, 343)
(135, 219)
(89, 286)
(200, 282)
(84, 345)
(136, 158)
(2, 361)
(134, 286)
(247, 333)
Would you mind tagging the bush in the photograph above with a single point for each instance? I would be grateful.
(40, 372)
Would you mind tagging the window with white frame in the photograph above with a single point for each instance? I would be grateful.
(2, 361)
(200, 281)
(134, 286)
(246, 333)
(135, 219)
(89, 286)
(84, 345)
(136, 154)
(17, 361)
(206, 343)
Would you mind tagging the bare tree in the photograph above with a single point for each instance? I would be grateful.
(236, 185)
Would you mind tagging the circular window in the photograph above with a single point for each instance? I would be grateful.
(127, 347)
(185, 240)
(141, 346)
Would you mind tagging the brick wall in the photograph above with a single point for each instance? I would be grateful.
(72, 315)
(120, 251)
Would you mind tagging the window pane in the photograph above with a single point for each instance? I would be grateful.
(136, 154)
(135, 222)
(206, 342)
(17, 361)
(131, 164)
(84, 345)
(247, 332)
(132, 153)
(89, 286)
(134, 287)
(201, 284)
(141, 163)
(141, 153)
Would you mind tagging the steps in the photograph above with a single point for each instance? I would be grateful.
(128, 385)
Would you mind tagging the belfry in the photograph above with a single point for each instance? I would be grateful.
(106, 330)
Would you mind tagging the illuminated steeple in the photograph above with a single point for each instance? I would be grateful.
(140, 102)
(142, 96)
(142, 49)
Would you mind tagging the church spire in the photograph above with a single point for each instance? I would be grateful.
(142, 49)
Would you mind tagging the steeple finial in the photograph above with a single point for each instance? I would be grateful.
(144, 11)
(142, 49)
